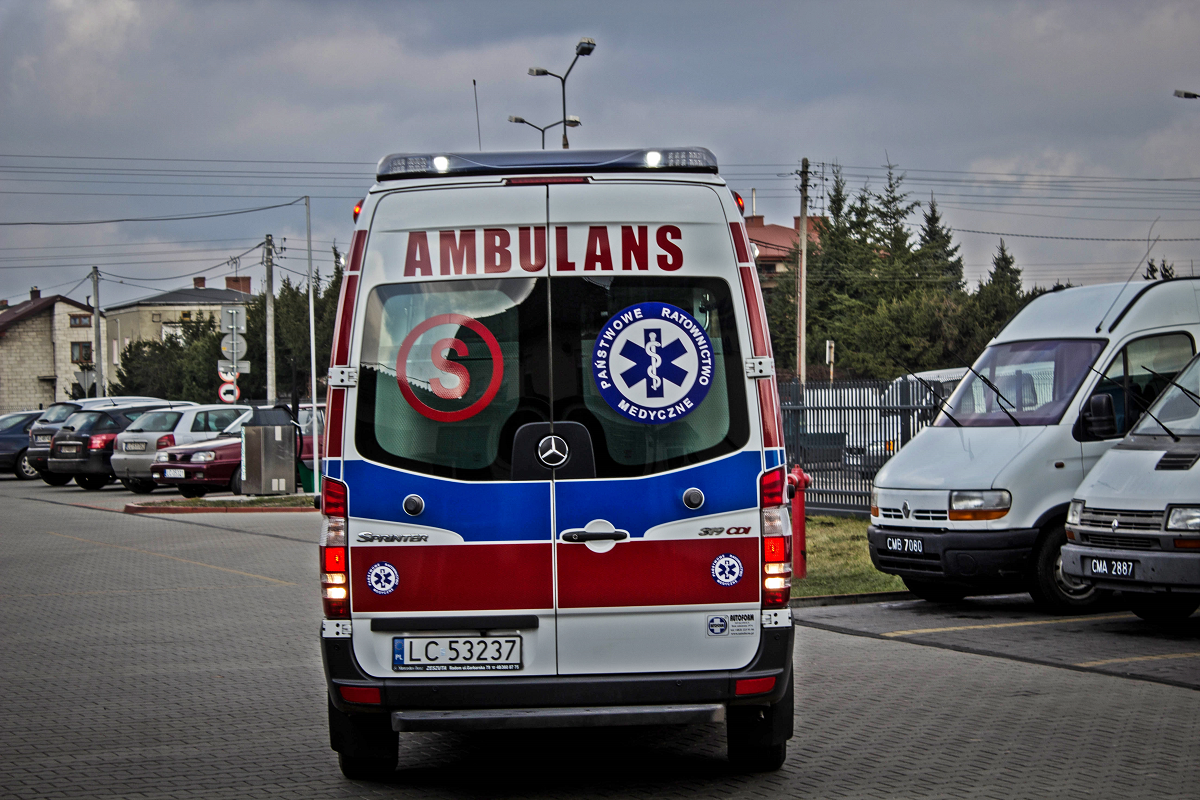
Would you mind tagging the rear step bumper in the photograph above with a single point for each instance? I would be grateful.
(581, 717)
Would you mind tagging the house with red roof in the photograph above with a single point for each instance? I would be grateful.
(776, 245)
(43, 342)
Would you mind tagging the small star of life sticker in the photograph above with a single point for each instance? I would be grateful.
(382, 578)
(653, 363)
(727, 569)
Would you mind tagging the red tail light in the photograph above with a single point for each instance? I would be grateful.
(771, 487)
(165, 441)
(752, 686)
(741, 204)
(333, 555)
(358, 209)
(101, 441)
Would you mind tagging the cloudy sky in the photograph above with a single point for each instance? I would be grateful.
(1037, 119)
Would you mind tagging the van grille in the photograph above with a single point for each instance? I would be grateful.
(1123, 542)
(1178, 461)
(924, 514)
(1126, 520)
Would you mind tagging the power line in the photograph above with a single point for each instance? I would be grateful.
(166, 218)
(1070, 238)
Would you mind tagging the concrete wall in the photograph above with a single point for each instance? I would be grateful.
(27, 354)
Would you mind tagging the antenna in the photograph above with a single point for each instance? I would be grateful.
(1136, 267)
(478, 130)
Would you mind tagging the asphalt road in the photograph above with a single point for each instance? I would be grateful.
(176, 657)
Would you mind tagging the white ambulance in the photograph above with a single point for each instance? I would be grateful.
(555, 491)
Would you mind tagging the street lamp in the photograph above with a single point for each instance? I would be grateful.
(584, 48)
(1186, 95)
(572, 122)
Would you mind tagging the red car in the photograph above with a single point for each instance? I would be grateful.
(216, 465)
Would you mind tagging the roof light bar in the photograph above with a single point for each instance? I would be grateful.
(399, 166)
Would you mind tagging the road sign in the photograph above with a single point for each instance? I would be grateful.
(233, 319)
(86, 380)
(230, 368)
(229, 393)
(233, 345)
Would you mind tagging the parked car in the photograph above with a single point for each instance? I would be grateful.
(53, 417)
(136, 447)
(14, 443)
(1134, 524)
(82, 448)
(976, 503)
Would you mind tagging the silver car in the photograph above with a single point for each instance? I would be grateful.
(135, 447)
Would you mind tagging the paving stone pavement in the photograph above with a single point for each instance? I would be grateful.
(158, 658)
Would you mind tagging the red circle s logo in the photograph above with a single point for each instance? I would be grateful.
(450, 367)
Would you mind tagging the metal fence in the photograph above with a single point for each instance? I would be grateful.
(842, 432)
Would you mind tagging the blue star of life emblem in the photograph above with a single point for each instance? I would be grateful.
(727, 569)
(653, 363)
(382, 578)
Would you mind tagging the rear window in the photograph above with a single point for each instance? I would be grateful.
(451, 369)
(12, 421)
(158, 421)
(58, 412)
(90, 422)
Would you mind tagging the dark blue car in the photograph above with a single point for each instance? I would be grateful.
(14, 441)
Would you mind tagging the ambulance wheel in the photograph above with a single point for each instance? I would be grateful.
(757, 735)
(139, 485)
(935, 592)
(366, 769)
(366, 745)
(93, 483)
(192, 492)
(56, 478)
(1163, 608)
(1052, 589)
(24, 470)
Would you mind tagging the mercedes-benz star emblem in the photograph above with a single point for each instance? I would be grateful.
(552, 451)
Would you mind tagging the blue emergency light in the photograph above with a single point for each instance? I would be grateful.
(399, 166)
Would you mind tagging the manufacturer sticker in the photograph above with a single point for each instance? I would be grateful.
(382, 578)
(653, 363)
(727, 569)
(441, 386)
(742, 623)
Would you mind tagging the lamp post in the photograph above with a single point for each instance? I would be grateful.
(572, 122)
(1187, 95)
(584, 48)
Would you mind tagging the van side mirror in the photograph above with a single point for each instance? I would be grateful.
(1100, 418)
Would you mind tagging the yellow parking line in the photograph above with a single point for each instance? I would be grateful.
(173, 558)
(1162, 657)
(1055, 621)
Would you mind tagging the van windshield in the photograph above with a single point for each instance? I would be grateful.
(1036, 381)
(1179, 409)
(451, 369)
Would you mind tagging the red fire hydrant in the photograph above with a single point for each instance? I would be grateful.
(797, 483)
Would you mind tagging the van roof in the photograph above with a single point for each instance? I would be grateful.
(1096, 311)
(398, 166)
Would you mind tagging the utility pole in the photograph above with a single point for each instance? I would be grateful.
(802, 273)
(269, 263)
(312, 352)
(98, 346)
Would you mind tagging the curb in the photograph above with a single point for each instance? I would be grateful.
(849, 599)
(133, 508)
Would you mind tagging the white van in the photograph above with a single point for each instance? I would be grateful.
(555, 491)
(1134, 524)
(976, 502)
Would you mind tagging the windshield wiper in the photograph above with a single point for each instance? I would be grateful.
(1145, 408)
(941, 403)
(1195, 398)
(999, 397)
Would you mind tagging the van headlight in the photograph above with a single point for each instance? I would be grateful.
(1185, 518)
(1074, 512)
(874, 502)
(976, 505)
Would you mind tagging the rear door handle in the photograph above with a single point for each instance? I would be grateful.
(598, 530)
